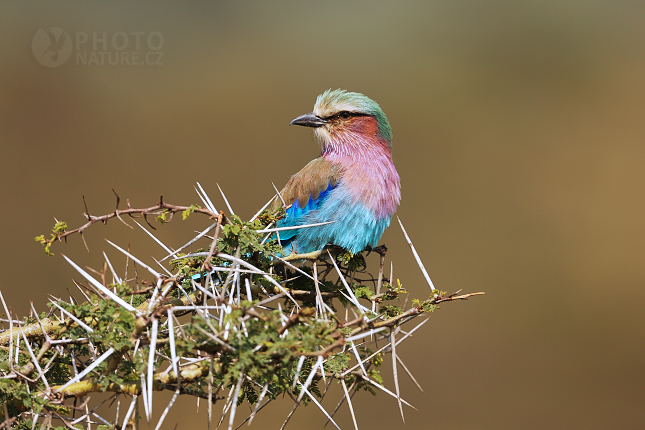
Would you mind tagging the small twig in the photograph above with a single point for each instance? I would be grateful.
(453, 297)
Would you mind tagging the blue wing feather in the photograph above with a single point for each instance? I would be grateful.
(295, 213)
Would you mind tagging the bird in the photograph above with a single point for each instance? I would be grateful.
(353, 185)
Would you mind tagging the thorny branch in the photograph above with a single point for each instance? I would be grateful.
(160, 209)
(248, 330)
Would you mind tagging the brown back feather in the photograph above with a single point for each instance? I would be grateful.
(314, 178)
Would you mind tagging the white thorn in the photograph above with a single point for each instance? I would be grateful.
(204, 197)
(294, 227)
(168, 250)
(114, 275)
(313, 399)
(349, 402)
(297, 375)
(99, 286)
(416, 256)
(79, 322)
(151, 360)
(230, 209)
(88, 369)
(260, 211)
(278, 193)
(141, 263)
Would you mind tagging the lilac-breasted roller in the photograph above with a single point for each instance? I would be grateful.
(353, 182)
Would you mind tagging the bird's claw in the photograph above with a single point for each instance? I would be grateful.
(381, 250)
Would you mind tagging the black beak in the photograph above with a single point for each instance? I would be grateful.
(309, 120)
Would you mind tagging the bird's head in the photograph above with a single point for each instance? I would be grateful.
(342, 119)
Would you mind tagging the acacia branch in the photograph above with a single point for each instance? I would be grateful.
(417, 310)
(55, 329)
(252, 341)
(159, 209)
(188, 373)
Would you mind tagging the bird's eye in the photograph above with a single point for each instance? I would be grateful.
(345, 115)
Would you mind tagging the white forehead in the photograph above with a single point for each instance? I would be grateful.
(331, 102)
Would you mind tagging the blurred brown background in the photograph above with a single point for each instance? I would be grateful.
(519, 135)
